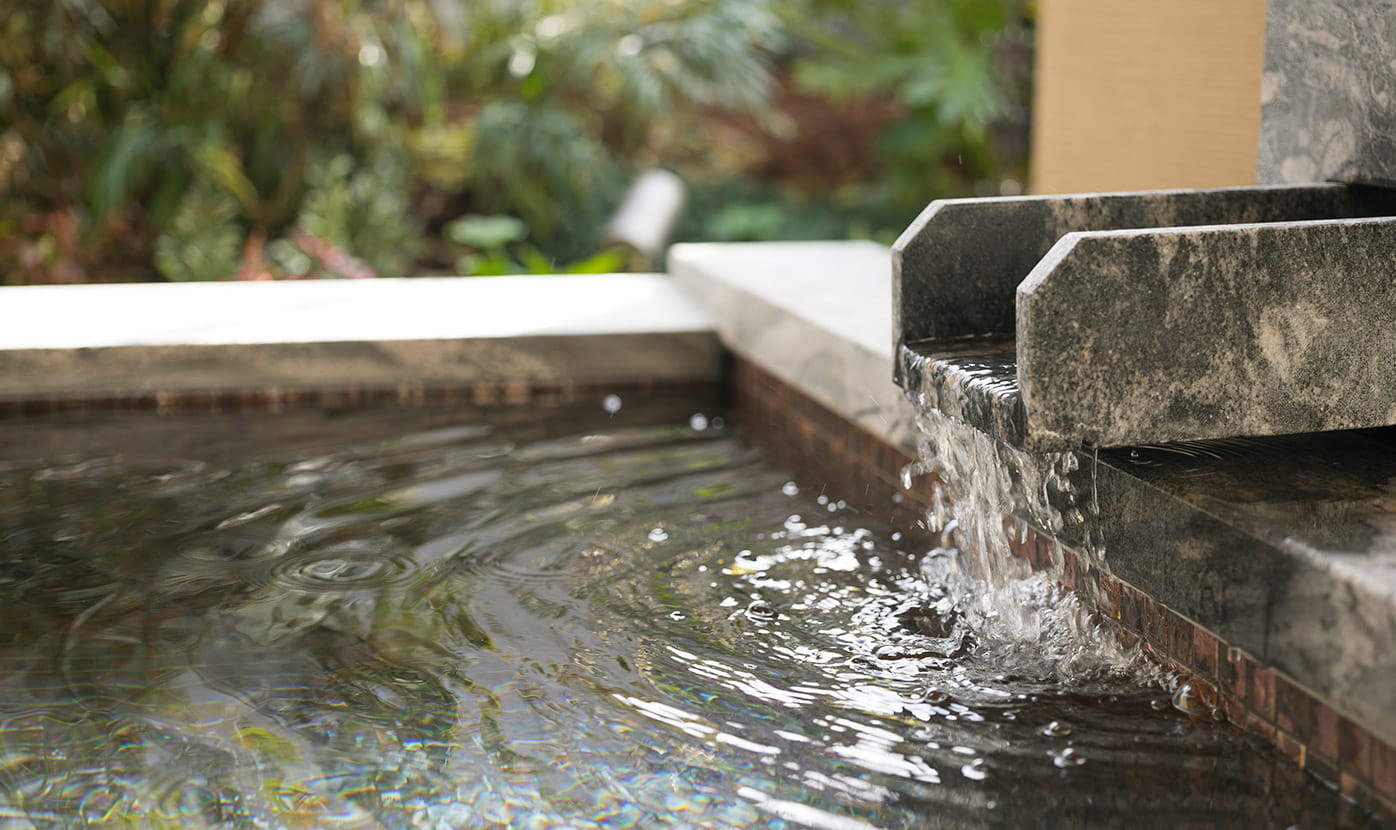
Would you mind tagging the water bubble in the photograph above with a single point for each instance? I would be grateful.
(718, 423)
(795, 523)
(897, 536)
(698, 422)
(611, 403)
(1195, 698)
(1068, 757)
(659, 534)
(975, 770)
(790, 488)
(762, 611)
(1056, 729)
(891, 652)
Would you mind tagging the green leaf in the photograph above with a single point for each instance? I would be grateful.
(486, 232)
(604, 262)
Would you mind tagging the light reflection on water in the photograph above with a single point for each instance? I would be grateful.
(637, 628)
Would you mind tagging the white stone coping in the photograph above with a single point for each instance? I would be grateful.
(328, 311)
(818, 315)
(120, 340)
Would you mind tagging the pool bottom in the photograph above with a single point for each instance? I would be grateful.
(459, 625)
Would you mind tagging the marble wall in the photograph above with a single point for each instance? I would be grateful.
(1328, 92)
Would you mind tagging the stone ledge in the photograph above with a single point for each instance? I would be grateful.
(124, 340)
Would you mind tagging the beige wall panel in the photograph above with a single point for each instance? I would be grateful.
(1133, 94)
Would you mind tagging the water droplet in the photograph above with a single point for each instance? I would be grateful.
(795, 523)
(698, 422)
(1068, 757)
(611, 404)
(762, 611)
(897, 536)
(906, 477)
(1195, 698)
(790, 488)
(659, 534)
(975, 770)
(718, 422)
(1234, 655)
(1056, 729)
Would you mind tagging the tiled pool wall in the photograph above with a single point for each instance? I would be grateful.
(798, 432)
(482, 398)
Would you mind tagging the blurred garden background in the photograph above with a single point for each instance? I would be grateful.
(178, 140)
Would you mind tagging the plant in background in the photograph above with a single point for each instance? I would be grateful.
(494, 246)
(560, 99)
(958, 68)
(144, 120)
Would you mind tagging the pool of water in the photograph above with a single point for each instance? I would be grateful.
(272, 622)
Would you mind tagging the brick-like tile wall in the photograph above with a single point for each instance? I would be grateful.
(801, 434)
(484, 395)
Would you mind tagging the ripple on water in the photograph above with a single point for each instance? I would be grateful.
(640, 627)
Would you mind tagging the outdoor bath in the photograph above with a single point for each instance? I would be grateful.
(587, 568)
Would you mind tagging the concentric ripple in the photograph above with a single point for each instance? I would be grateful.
(636, 628)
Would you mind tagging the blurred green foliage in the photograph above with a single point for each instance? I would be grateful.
(261, 139)
(958, 68)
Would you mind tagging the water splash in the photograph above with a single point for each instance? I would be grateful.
(983, 492)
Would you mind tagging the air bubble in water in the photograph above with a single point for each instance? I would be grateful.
(1068, 757)
(659, 534)
(611, 404)
(762, 611)
(795, 523)
(698, 422)
(1056, 729)
(790, 488)
(975, 770)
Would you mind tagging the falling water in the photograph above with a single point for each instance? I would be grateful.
(1029, 618)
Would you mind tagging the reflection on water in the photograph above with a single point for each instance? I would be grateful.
(632, 628)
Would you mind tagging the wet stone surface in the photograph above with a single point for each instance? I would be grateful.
(1327, 112)
(350, 623)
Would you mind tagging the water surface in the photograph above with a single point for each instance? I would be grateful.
(352, 624)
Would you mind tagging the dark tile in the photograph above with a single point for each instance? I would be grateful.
(1260, 726)
(1290, 747)
(1231, 671)
(1324, 768)
(1109, 596)
(1294, 708)
(1206, 653)
(1261, 696)
(1383, 769)
(1155, 623)
(1353, 787)
(1179, 632)
(1131, 608)
(1234, 709)
(1355, 749)
(1324, 740)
